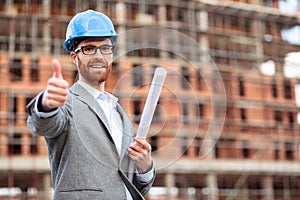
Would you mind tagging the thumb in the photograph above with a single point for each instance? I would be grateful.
(56, 69)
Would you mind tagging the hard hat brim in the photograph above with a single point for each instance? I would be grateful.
(72, 43)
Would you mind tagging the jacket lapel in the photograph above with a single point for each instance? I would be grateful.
(89, 100)
(127, 131)
(85, 97)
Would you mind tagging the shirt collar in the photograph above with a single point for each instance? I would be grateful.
(95, 93)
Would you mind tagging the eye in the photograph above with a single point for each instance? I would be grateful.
(105, 48)
(89, 48)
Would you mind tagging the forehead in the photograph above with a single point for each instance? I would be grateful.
(95, 41)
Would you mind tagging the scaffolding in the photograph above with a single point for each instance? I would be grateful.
(257, 153)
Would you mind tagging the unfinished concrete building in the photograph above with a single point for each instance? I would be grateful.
(226, 126)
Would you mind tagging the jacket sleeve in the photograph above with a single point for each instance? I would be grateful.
(142, 186)
(49, 127)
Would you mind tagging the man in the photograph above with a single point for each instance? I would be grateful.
(88, 135)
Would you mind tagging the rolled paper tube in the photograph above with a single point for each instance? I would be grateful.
(151, 102)
(150, 105)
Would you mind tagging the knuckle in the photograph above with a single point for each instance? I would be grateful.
(51, 81)
(66, 93)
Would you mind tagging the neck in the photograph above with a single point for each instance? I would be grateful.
(100, 86)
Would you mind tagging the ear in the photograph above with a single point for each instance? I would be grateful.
(73, 57)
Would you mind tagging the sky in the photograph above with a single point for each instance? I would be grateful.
(291, 35)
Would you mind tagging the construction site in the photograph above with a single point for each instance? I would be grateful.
(227, 122)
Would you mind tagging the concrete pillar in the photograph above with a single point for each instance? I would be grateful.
(212, 185)
(120, 12)
(208, 148)
(170, 183)
(46, 8)
(12, 37)
(244, 193)
(257, 27)
(121, 20)
(34, 36)
(203, 20)
(162, 19)
(203, 40)
(100, 6)
(46, 187)
(286, 189)
(121, 43)
(46, 29)
(8, 6)
(267, 183)
(162, 14)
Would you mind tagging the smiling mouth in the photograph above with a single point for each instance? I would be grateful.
(98, 66)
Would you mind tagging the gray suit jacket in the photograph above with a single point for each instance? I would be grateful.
(84, 161)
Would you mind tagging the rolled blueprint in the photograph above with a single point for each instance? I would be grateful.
(151, 101)
(150, 105)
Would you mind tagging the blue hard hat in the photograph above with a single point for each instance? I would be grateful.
(88, 24)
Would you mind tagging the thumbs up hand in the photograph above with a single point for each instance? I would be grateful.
(56, 92)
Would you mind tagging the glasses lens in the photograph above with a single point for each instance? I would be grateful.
(92, 50)
(106, 49)
(89, 50)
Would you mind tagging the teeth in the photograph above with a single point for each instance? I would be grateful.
(97, 66)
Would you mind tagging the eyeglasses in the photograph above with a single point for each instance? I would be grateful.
(92, 50)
